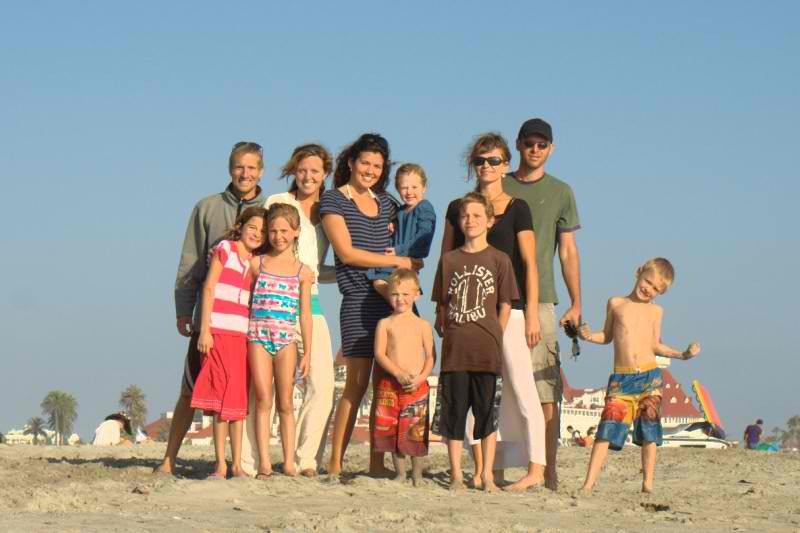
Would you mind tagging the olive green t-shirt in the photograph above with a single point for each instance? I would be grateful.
(553, 210)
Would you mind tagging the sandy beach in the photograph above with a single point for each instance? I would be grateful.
(112, 489)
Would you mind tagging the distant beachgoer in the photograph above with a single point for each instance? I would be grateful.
(356, 216)
(588, 440)
(221, 387)
(555, 222)
(633, 323)
(752, 434)
(211, 218)
(281, 299)
(404, 349)
(473, 289)
(414, 225)
(109, 433)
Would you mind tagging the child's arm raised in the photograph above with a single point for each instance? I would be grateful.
(205, 342)
(306, 322)
(430, 359)
(662, 349)
(381, 357)
(600, 337)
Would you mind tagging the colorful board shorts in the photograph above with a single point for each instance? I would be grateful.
(401, 418)
(633, 397)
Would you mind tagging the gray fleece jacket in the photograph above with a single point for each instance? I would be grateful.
(211, 218)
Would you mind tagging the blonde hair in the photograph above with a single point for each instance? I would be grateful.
(659, 266)
(285, 211)
(410, 168)
(403, 274)
(476, 198)
(302, 152)
(246, 147)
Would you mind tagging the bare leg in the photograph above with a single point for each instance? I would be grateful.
(454, 448)
(533, 478)
(648, 465)
(599, 453)
(358, 373)
(399, 461)
(416, 470)
(181, 420)
(261, 371)
(285, 364)
(235, 428)
(377, 467)
(477, 457)
(552, 423)
(220, 436)
(488, 446)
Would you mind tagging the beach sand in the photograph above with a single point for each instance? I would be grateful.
(90, 488)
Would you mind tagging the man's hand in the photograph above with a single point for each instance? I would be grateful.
(185, 326)
(533, 331)
(584, 332)
(572, 315)
(692, 350)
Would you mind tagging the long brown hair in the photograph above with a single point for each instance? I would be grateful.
(483, 143)
(287, 211)
(369, 142)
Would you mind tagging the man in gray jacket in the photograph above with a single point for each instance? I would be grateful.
(210, 219)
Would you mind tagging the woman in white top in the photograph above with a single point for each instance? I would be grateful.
(308, 166)
(109, 433)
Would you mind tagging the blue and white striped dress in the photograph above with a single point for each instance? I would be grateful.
(361, 307)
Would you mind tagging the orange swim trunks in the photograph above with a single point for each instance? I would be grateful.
(401, 418)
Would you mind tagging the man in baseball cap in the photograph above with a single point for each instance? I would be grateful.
(555, 220)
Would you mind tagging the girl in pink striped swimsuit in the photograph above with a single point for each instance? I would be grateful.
(221, 387)
(281, 298)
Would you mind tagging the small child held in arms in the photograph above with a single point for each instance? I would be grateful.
(633, 396)
(404, 349)
(473, 289)
(414, 226)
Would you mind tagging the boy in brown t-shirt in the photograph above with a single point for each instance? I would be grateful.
(473, 288)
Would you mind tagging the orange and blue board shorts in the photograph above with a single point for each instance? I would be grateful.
(633, 398)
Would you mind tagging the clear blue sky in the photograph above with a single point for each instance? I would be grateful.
(674, 124)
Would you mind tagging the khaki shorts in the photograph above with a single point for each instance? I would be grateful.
(545, 357)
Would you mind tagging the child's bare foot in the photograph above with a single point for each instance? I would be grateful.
(221, 471)
(526, 482)
(647, 489)
(308, 472)
(586, 490)
(165, 468)
(476, 483)
(237, 471)
(456, 484)
(334, 469)
(416, 471)
(488, 484)
(289, 470)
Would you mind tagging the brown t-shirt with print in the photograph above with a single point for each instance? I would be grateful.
(471, 286)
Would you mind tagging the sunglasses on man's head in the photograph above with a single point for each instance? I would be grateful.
(251, 144)
(541, 145)
(493, 161)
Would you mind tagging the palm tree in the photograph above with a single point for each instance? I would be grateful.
(132, 400)
(61, 409)
(35, 427)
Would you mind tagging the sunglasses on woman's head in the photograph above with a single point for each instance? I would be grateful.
(493, 161)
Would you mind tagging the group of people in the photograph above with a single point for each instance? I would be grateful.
(246, 295)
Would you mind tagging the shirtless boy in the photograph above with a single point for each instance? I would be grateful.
(633, 396)
(404, 350)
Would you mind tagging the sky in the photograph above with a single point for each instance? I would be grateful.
(674, 124)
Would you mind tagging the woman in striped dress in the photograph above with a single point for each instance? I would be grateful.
(356, 216)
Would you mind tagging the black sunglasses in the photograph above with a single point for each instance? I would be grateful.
(249, 144)
(541, 145)
(493, 161)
